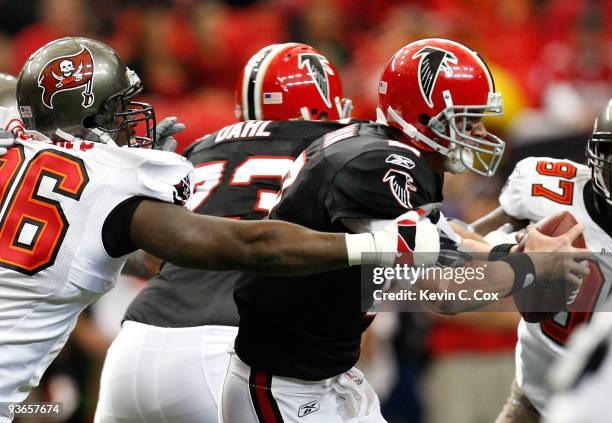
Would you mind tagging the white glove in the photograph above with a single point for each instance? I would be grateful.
(164, 131)
(7, 140)
(409, 234)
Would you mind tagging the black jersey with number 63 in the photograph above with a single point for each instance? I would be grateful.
(238, 175)
(310, 327)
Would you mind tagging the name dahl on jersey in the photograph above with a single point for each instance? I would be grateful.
(248, 129)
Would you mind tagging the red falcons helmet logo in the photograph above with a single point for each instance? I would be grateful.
(68, 73)
(318, 69)
(433, 60)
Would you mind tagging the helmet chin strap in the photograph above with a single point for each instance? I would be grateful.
(344, 108)
(305, 113)
(102, 137)
(412, 132)
(456, 158)
(347, 108)
(338, 104)
(380, 116)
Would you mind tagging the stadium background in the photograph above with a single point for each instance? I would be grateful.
(552, 60)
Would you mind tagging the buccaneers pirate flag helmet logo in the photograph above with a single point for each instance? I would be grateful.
(64, 73)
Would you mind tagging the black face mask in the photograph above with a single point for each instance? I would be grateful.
(130, 120)
(599, 157)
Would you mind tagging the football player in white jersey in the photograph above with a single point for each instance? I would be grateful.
(72, 209)
(539, 187)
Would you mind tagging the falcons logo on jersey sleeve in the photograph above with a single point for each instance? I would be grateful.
(401, 185)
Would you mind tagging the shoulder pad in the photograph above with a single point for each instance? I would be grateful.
(199, 144)
(539, 186)
(165, 176)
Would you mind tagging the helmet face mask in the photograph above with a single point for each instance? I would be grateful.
(128, 122)
(431, 90)
(600, 161)
(599, 153)
(290, 81)
(81, 87)
(481, 154)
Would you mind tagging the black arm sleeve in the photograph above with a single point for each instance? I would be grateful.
(116, 229)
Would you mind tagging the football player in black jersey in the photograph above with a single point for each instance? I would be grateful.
(299, 337)
(93, 202)
(238, 175)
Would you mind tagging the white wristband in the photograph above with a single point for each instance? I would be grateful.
(379, 245)
(356, 244)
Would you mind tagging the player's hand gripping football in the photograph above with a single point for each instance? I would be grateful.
(558, 264)
(164, 132)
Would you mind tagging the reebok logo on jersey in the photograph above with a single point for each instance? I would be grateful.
(400, 161)
(308, 408)
(358, 379)
(400, 184)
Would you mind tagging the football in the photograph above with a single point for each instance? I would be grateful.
(559, 224)
(534, 298)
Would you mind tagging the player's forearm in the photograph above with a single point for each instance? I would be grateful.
(494, 282)
(270, 247)
(494, 220)
(465, 233)
(280, 248)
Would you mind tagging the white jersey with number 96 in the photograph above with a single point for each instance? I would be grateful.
(54, 201)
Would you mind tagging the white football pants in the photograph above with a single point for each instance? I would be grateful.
(154, 374)
(251, 396)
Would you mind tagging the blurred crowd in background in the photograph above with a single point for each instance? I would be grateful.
(551, 59)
